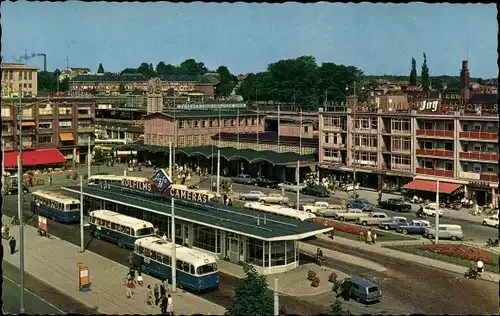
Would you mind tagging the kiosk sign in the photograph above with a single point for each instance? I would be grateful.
(161, 180)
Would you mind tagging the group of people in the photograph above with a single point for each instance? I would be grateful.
(155, 296)
(370, 237)
(5, 231)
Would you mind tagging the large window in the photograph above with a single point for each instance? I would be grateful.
(365, 141)
(44, 139)
(366, 123)
(365, 158)
(65, 110)
(204, 238)
(65, 124)
(255, 252)
(400, 125)
(45, 125)
(401, 144)
(400, 160)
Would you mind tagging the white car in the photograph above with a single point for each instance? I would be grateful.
(316, 207)
(430, 210)
(274, 198)
(252, 196)
(290, 186)
(491, 221)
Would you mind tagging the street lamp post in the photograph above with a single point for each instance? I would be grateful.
(20, 194)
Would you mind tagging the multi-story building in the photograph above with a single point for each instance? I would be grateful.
(65, 124)
(453, 139)
(112, 84)
(15, 76)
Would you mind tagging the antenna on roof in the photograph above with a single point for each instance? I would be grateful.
(467, 48)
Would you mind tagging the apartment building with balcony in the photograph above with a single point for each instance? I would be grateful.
(112, 84)
(19, 75)
(49, 127)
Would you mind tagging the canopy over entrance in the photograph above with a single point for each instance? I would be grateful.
(431, 186)
(229, 153)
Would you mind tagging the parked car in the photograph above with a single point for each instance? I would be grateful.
(274, 198)
(361, 204)
(243, 179)
(373, 218)
(265, 182)
(315, 207)
(348, 215)
(393, 223)
(430, 210)
(316, 190)
(395, 204)
(289, 186)
(445, 231)
(491, 221)
(252, 196)
(416, 227)
(331, 211)
(365, 291)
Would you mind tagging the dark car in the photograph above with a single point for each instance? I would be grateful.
(243, 179)
(395, 204)
(316, 190)
(265, 182)
(362, 204)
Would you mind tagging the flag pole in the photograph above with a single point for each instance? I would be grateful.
(279, 121)
(238, 134)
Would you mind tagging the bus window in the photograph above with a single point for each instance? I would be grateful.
(131, 232)
(147, 252)
(113, 226)
(159, 257)
(153, 255)
(179, 264)
(191, 269)
(92, 219)
(167, 260)
(144, 231)
(73, 207)
(108, 224)
(185, 267)
(206, 268)
(140, 250)
(126, 230)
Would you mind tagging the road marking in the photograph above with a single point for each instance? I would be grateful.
(51, 305)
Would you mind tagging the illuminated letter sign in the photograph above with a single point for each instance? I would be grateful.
(429, 105)
(161, 180)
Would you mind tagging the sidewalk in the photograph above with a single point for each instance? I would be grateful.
(378, 248)
(54, 262)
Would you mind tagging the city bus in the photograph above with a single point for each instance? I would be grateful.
(280, 210)
(196, 270)
(57, 206)
(113, 179)
(118, 228)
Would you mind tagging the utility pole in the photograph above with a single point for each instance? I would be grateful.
(437, 212)
(218, 172)
(258, 118)
(19, 198)
(279, 121)
(276, 298)
(82, 246)
(238, 134)
(172, 227)
(89, 160)
(297, 175)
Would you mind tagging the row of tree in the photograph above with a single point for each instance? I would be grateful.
(253, 299)
(50, 81)
(302, 81)
(424, 75)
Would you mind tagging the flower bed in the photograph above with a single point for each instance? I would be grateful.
(350, 229)
(460, 251)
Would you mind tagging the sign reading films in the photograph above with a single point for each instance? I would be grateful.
(160, 183)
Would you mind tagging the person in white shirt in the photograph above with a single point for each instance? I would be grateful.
(480, 267)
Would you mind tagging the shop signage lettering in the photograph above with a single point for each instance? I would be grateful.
(188, 195)
(429, 105)
(138, 185)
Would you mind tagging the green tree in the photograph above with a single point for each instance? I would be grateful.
(192, 67)
(251, 296)
(336, 309)
(99, 158)
(160, 68)
(146, 70)
(413, 72)
(100, 69)
(128, 71)
(227, 82)
(425, 75)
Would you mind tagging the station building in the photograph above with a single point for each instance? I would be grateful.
(268, 242)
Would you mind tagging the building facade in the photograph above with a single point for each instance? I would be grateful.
(113, 84)
(63, 123)
(15, 76)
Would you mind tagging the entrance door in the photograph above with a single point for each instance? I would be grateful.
(232, 249)
(242, 250)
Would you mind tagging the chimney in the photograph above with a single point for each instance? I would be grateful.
(464, 82)
(44, 62)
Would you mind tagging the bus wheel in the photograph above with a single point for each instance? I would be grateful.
(120, 243)
(96, 234)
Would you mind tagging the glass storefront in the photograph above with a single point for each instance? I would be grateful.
(206, 238)
(255, 253)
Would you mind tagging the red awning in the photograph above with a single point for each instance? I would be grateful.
(35, 157)
(431, 186)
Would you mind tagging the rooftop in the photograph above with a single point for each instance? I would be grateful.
(208, 113)
(245, 222)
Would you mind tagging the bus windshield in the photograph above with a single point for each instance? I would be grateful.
(73, 207)
(144, 231)
(207, 268)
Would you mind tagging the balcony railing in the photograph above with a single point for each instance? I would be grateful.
(365, 130)
(435, 152)
(480, 156)
(479, 135)
(435, 172)
(469, 175)
(85, 129)
(489, 177)
(400, 132)
(400, 167)
(434, 133)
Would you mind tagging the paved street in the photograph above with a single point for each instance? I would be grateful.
(39, 297)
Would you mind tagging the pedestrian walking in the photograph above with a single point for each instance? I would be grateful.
(332, 233)
(156, 292)
(369, 236)
(374, 238)
(130, 286)
(149, 296)
(140, 280)
(163, 305)
(163, 290)
(170, 305)
(12, 245)
(50, 180)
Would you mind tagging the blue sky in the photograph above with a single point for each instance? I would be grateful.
(377, 38)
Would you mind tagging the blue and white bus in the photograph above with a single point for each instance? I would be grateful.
(118, 228)
(57, 206)
(196, 270)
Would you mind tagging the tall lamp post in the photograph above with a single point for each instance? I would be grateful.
(20, 191)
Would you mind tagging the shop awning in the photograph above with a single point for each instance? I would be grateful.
(431, 186)
(35, 157)
(66, 136)
(29, 123)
